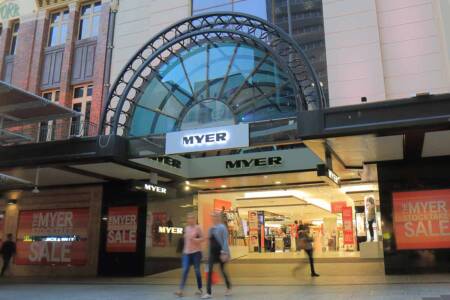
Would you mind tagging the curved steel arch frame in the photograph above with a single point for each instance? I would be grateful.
(183, 35)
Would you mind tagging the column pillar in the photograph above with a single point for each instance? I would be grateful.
(41, 36)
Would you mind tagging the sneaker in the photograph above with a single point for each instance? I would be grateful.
(179, 294)
(199, 292)
(228, 292)
(206, 296)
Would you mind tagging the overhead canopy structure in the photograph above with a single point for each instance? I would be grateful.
(19, 107)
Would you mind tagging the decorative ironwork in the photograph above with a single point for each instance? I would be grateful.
(197, 31)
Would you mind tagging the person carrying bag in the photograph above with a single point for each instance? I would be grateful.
(219, 252)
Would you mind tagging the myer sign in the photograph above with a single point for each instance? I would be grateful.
(272, 161)
(207, 139)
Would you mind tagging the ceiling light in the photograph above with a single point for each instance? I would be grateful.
(223, 186)
(206, 180)
(265, 176)
(35, 190)
(187, 182)
(277, 182)
(187, 188)
(358, 188)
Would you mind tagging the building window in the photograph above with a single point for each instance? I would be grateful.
(47, 130)
(89, 20)
(82, 98)
(58, 28)
(14, 33)
(254, 7)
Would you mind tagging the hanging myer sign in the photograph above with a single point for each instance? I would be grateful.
(155, 188)
(207, 139)
(328, 174)
(254, 162)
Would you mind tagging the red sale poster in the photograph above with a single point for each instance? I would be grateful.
(347, 224)
(122, 228)
(159, 219)
(422, 219)
(52, 237)
(336, 206)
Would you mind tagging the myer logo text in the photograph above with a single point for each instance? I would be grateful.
(155, 188)
(254, 162)
(205, 139)
(174, 230)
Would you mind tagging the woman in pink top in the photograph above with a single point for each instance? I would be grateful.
(192, 253)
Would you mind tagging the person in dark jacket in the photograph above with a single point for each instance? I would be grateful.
(306, 244)
(8, 250)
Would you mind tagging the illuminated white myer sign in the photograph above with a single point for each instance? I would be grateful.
(155, 188)
(174, 230)
(207, 139)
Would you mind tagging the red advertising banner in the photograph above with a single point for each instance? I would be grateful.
(422, 219)
(336, 206)
(159, 219)
(347, 224)
(122, 228)
(253, 230)
(52, 237)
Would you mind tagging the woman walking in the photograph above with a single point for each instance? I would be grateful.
(219, 252)
(192, 253)
(306, 244)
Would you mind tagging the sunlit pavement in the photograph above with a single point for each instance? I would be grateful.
(139, 291)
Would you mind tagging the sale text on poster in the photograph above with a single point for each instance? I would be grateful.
(122, 228)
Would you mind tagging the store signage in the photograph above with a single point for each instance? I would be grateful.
(122, 229)
(254, 162)
(174, 230)
(169, 161)
(422, 219)
(336, 206)
(207, 139)
(328, 175)
(155, 188)
(347, 224)
(52, 237)
(9, 10)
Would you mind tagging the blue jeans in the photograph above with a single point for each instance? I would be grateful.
(188, 260)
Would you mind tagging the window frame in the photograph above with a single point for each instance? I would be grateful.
(15, 27)
(88, 19)
(49, 135)
(85, 101)
(62, 21)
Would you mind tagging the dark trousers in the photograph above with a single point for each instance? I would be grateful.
(6, 261)
(371, 228)
(189, 260)
(214, 259)
(311, 260)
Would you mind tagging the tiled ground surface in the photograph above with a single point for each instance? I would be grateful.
(151, 292)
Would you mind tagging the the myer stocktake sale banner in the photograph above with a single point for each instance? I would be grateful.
(422, 219)
(52, 236)
(122, 228)
(347, 225)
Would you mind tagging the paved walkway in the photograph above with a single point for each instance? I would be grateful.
(156, 292)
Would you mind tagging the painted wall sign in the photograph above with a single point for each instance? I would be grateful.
(169, 161)
(122, 229)
(52, 237)
(422, 219)
(9, 10)
(207, 139)
(254, 162)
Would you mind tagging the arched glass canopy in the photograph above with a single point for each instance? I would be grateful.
(213, 84)
(208, 71)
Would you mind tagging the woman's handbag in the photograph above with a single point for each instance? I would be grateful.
(224, 257)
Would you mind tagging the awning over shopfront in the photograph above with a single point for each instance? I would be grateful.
(19, 107)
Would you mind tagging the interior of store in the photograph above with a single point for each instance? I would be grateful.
(265, 222)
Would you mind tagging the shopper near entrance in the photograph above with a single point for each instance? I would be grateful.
(305, 243)
(192, 253)
(371, 215)
(8, 250)
(219, 252)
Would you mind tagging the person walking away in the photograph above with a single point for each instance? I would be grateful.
(306, 244)
(192, 253)
(8, 250)
(219, 252)
(371, 215)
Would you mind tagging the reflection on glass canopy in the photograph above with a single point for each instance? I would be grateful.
(213, 84)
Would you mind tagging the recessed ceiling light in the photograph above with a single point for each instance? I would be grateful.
(187, 182)
(187, 188)
(206, 180)
(265, 176)
(277, 182)
(223, 186)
